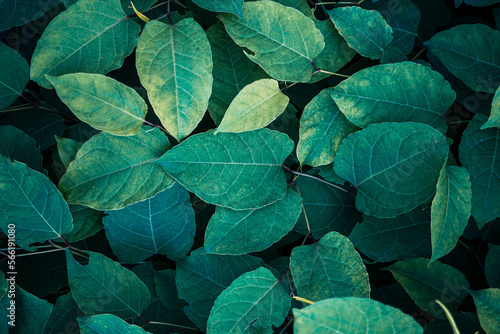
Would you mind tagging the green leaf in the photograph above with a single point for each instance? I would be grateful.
(174, 64)
(400, 92)
(322, 129)
(102, 102)
(235, 170)
(118, 169)
(404, 173)
(14, 71)
(254, 302)
(492, 265)
(366, 31)
(451, 209)
(245, 231)
(17, 145)
(86, 222)
(163, 224)
(488, 309)
(282, 40)
(393, 55)
(107, 324)
(63, 316)
(32, 203)
(255, 106)
(67, 149)
(104, 286)
(31, 312)
(479, 155)
(470, 52)
(16, 13)
(89, 37)
(494, 119)
(329, 268)
(222, 6)
(353, 315)
(301, 5)
(406, 236)
(427, 281)
(481, 3)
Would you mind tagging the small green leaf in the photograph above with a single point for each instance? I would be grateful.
(481, 3)
(494, 119)
(63, 316)
(86, 222)
(492, 266)
(67, 149)
(17, 145)
(488, 309)
(107, 324)
(32, 313)
(222, 6)
(14, 71)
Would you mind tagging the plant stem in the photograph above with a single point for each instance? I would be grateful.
(333, 73)
(419, 53)
(315, 177)
(169, 324)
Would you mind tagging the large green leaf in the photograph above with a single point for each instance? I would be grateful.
(492, 266)
(427, 281)
(322, 129)
(14, 75)
(17, 145)
(400, 92)
(110, 172)
(366, 31)
(107, 324)
(255, 106)
(174, 64)
(282, 40)
(472, 53)
(245, 231)
(488, 309)
(104, 286)
(163, 224)
(394, 166)
(494, 119)
(91, 37)
(16, 13)
(225, 6)
(102, 102)
(32, 203)
(451, 209)
(252, 303)
(329, 268)
(479, 155)
(31, 312)
(235, 170)
(353, 315)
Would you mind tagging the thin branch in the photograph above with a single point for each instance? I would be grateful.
(173, 325)
(315, 178)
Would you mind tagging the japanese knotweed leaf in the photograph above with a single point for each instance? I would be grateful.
(174, 64)
(253, 303)
(103, 102)
(399, 92)
(393, 55)
(353, 315)
(163, 224)
(301, 5)
(232, 71)
(200, 278)
(222, 6)
(67, 149)
(492, 266)
(394, 166)
(329, 268)
(16, 13)
(282, 40)
(322, 128)
(451, 209)
(64, 312)
(104, 286)
(107, 324)
(427, 281)
(17, 145)
(365, 31)
(472, 53)
(91, 37)
(494, 119)
(31, 202)
(478, 152)
(255, 106)
(407, 236)
(32, 312)
(481, 3)
(15, 74)
(235, 170)
(245, 231)
(488, 308)
(110, 172)
(86, 222)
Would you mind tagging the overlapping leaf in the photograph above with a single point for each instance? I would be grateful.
(494, 119)
(65, 312)
(225, 6)
(14, 76)
(32, 312)
(488, 308)
(86, 222)
(17, 13)
(17, 145)
(107, 324)
(492, 265)
(67, 149)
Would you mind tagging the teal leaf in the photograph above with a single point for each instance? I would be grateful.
(32, 312)
(30, 201)
(107, 324)
(222, 6)
(89, 37)
(163, 224)
(15, 74)
(253, 303)
(471, 53)
(16, 13)
(494, 119)
(174, 64)
(488, 308)
(63, 316)
(353, 315)
(102, 102)
(245, 231)
(492, 265)
(366, 31)
(405, 172)
(393, 55)
(67, 149)
(328, 174)
(235, 170)
(86, 222)
(322, 129)
(104, 286)
(329, 268)
(400, 92)
(301, 5)
(255, 106)
(427, 281)
(118, 169)
(478, 152)
(481, 3)
(282, 40)
(17, 145)
(451, 209)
